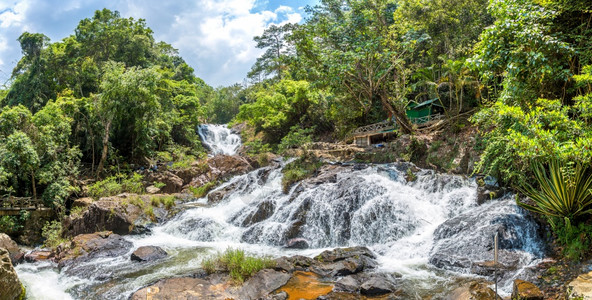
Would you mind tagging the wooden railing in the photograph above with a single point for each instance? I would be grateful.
(20, 203)
(426, 119)
(377, 127)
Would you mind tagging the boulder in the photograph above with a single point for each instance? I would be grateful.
(263, 283)
(524, 290)
(148, 253)
(581, 287)
(122, 214)
(376, 284)
(152, 190)
(38, 255)
(294, 263)
(10, 286)
(348, 284)
(7, 243)
(85, 247)
(297, 243)
(173, 183)
(183, 288)
(473, 291)
(344, 261)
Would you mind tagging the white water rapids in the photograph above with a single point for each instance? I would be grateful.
(410, 225)
(219, 139)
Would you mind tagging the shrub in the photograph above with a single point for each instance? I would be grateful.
(296, 137)
(52, 232)
(115, 185)
(201, 191)
(302, 168)
(239, 265)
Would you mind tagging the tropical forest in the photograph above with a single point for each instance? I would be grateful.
(372, 149)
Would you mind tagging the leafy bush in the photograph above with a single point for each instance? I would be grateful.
(296, 137)
(115, 185)
(52, 232)
(575, 239)
(237, 263)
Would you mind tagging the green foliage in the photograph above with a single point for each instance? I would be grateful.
(224, 104)
(117, 184)
(279, 108)
(52, 233)
(301, 168)
(201, 191)
(13, 224)
(297, 137)
(167, 201)
(576, 240)
(563, 192)
(240, 265)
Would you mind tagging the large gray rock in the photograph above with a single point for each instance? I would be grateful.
(376, 284)
(10, 286)
(86, 247)
(263, 283)
(344, 261)
(148, 253)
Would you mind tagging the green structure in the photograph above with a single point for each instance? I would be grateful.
(422, 112)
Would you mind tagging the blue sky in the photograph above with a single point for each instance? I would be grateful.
(214, 36)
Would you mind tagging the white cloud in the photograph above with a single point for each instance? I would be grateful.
(214, 36)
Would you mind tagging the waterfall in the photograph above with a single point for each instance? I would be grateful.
(428, 232)
(219, 139)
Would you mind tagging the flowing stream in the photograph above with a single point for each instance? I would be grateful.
(428, 232)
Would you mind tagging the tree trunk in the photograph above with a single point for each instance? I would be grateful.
(105, 148)
(401, 117)
(33, 183)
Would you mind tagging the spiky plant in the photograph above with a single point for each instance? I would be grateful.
(564, 191)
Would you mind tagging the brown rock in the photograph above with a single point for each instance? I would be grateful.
(524, 290)
(82, 202)
(473, 291)
(173, 183)
(581, 287)
(7, 243)
(263, 283)
(122, 214)
(38, 255)
(10, 286)
(183, 288)
(148, 253)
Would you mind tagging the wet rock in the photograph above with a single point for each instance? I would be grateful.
(376, 284)
(148, 253)
(488, 268)
(524, 290)
(488, 192)
(294, 263)
(86, 247)
(183, 288)
(297, 243)
(264, 210)
(217, 168)
(218, 195)
(38, 255)
(458, 245)
(344, 261)
(7, 243)
(10, 285)
(581, 287)
(263, 283)
(348, 284)
(473, 291)
(278, 296)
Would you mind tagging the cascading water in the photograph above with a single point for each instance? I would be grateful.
(426, 231)
(219, 139)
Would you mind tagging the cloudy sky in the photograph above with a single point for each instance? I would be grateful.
(214, 36)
